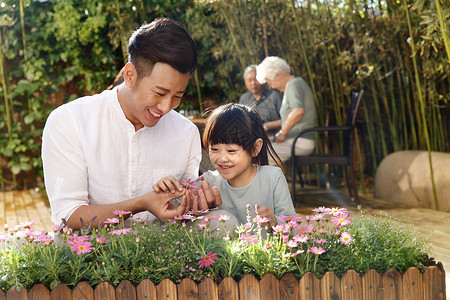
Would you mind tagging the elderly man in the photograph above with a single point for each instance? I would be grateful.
(265, 101)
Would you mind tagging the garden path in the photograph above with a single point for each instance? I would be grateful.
(32, 205)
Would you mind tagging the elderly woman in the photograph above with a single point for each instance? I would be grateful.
(297, 110)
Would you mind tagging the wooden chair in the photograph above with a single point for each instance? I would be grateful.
(342, 159)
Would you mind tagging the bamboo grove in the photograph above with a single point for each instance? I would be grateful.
(398, 51)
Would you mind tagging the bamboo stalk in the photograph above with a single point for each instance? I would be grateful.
(302, 46)
(422, 104)
(199, 94)
(234, 40)
(22, 24)
(5, 89)
(122, 43)
(444, 27)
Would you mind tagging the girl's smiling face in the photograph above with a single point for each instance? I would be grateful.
(233, 163)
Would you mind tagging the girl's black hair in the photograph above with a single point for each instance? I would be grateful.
(239, 124)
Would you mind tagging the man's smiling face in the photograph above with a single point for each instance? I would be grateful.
(154, 96)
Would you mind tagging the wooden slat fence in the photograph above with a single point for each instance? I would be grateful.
(352, 286)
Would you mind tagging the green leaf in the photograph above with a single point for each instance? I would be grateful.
(28, 119)
(15, 169)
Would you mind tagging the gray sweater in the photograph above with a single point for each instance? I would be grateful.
(268, 188)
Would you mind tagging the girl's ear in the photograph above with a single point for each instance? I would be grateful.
(257, 146)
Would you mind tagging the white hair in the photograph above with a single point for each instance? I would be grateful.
(249, 69)
(270, 67)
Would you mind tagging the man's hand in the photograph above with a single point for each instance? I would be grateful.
(167, 184)
(163, 209)
(204, 198)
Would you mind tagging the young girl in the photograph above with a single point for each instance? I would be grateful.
(238, 149)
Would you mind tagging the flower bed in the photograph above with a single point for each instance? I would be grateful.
(320, 254)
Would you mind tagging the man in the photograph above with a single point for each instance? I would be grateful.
(266, 102)
(103, 153)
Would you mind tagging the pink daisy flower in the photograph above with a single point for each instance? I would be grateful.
(341, 220)
(200, 178)
(296, 253)
(76, 238)
(112, 221)
(223, 218)
(320, 209)
(320, 241)
(55, 227)
(335, 211)
(346, 238)
(188, 184)
(300, 238)
(249, 238)
(120, 231)
(318, 217)
(121, 213)
(305, 228)
(259, 220)
(289, 218)
(278, 228)
(292, 244)
(81, 247)
(207, 260)
(101, 239)
(316, 250)
(27, 224)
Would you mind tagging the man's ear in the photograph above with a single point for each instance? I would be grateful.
(257, 146)
(130, 75)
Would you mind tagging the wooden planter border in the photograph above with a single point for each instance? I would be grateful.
(391, 285)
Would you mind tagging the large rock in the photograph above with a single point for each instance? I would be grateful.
(404, 177)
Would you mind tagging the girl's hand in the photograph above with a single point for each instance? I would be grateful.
(266, 212)
(167, 184)
(205, 197)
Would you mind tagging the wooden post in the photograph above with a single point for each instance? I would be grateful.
(412, 284)
(39, 292)
(187, 289)
(351, 286)
(434, 286)
(392, 285)
(146, 290)
(249, 288)
(289, 288)
(17, 294)
(330, 286)
(309, 287)
(269, 287)
(105, 291)
(228, 289)
(166, 289)
(207, 289)
(372, 286)
(126, 290)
